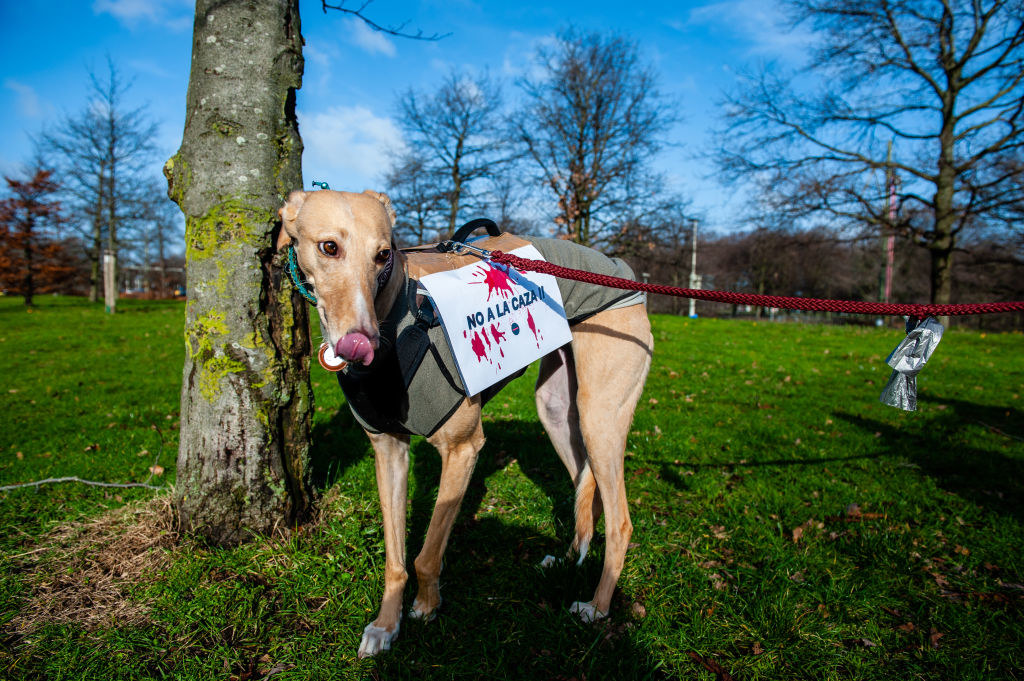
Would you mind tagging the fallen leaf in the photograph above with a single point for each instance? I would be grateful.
(639, 611)
(757, 649)
(20, 455)
(933, 637)
(156, 469)
(909, 626)
(797, 533)
(720, 672)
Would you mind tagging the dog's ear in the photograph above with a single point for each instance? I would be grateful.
(386, 202)
(289, 213)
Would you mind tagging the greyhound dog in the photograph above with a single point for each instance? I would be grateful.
(586, 393)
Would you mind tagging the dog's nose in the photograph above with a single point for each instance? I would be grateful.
(355, 347)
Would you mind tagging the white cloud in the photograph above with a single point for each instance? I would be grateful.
(28, 102)
(347, 146)
(174, 14)
(519, 60)
(759, 24)
(370, 40)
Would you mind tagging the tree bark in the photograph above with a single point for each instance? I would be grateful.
(245, 398)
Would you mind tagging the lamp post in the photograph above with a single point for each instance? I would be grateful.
(694, 277)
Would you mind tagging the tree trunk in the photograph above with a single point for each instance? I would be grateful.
(112, 244)
(28, 283)
(245, 398)
(96, 253)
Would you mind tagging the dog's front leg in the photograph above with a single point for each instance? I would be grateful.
(391, 454)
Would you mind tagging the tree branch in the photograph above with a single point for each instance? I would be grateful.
(397, 31)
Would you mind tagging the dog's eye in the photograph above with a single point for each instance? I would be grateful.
(383, 256)
(328, 248)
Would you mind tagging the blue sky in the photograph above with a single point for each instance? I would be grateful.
(353, 75)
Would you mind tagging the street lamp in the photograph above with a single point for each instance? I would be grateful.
(695, 279)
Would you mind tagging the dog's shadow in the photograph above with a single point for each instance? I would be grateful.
(502, 616)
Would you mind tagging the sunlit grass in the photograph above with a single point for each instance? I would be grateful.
(787, 525)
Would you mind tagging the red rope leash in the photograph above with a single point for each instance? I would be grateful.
(786, 302)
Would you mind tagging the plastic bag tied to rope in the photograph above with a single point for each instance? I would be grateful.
(907, 360)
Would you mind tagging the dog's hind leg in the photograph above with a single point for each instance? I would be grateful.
(459, 441)
(556, 408)
(391, 456)
(613, 355)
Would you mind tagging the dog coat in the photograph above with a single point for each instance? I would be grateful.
(413, 385)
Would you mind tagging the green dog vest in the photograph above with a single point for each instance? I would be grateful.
(413, 385)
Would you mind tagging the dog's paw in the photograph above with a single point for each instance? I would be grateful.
(421, 612)
(376, 640)
(586, 612)
(548, 561)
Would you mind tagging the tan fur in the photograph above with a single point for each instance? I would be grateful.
(586, 394)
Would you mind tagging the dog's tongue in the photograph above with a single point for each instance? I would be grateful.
(355, 347)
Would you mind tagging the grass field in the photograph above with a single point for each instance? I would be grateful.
(787, 525)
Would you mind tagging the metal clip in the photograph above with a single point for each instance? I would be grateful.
(460, 248)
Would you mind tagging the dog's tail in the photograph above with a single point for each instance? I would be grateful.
(588, 510)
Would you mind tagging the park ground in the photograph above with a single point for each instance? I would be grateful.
(787, 525)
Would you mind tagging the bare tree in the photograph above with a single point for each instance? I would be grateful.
(591, 125)
(943, 80)
(418, 196)
(104, 155)
(243, 459)
(454, 134)
(157, 238)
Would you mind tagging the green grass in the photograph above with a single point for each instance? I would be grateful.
(750, 448)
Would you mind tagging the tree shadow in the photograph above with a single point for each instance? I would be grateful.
(336, 446)
(504, 617)
(985, 477)
(341, 443)
(491, 572)
(522, 441)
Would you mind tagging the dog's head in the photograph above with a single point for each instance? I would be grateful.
(342, 242)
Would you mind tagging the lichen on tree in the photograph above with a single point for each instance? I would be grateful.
(246, 398)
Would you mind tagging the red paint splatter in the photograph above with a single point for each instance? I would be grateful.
(486, 339)
(497, 281)
(478, 347)
(533, 326)
(498, 336)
